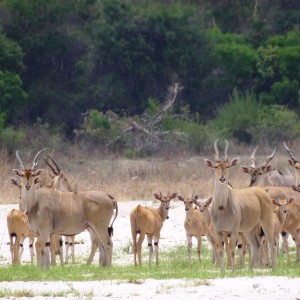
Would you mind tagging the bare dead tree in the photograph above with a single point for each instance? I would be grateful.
(147, 131)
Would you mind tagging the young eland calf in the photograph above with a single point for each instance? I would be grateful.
(194, 224)
(18, 231)
(149, 221)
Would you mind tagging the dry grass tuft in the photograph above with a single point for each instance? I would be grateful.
(136, 179)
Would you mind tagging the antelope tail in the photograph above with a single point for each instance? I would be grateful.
(110, 228)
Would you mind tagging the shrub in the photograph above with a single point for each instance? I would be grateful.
(98, 121)
(246, 119)
(194, 136)
(153, 107)
(276, 123)
(11, 138)
(235, 118)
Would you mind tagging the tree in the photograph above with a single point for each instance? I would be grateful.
(12, 95)
(278, 67)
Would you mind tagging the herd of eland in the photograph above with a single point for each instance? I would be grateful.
(252, 218)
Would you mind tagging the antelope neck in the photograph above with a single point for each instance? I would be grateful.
(28, 199)
(221, 195)
(163, 212)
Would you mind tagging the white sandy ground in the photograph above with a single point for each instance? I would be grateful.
(258, 288)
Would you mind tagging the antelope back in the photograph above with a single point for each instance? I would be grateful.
(61, 183)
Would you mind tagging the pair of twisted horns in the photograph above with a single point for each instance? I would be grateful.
(35, 160)
(217, 151)
(55, 169)
(265, 163)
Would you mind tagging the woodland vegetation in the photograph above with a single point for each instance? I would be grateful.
(139, 77)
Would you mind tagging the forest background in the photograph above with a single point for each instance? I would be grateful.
(139, 78)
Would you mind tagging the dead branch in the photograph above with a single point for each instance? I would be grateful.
(171, 98)
(148, 129)
(130, 128)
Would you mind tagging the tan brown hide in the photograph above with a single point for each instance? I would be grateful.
(194, 225)
(18, 231)
(54, 212)
(149, 221)
(235, 211)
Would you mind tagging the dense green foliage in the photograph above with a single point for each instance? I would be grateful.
(61, 59)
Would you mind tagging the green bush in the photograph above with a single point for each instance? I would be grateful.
(197, 134)
(276, 123)
(246, 119)
(98, 121)
(11, 138)
(236, 118)
(285, 89)
(2, 121)
(153, 107)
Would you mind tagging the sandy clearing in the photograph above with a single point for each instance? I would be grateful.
(258, 288)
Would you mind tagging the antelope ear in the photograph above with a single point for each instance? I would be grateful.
(268, 168)
(15, 182)
(209, 163)
(38, 172)
(174, 195)
(295, 188)
(275, 201)
(291, 200)
(156, 196)
(234, 162)
(17, 172)
(36, 180)
(180, 197)
(245, 169)
(195, 201)
(208, 201)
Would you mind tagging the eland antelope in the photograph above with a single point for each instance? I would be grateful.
(280, 215)
(60, 182)
(149, 221)
(194, 224)
(264, 175)
(54, 212)
(212, 235)
(277, 184)
(292, 223)
(235, 211)
(18, 231)
(203, 206)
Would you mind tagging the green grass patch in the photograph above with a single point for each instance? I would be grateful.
(173, 265)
